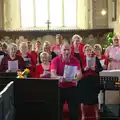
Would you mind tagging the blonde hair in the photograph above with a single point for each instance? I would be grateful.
(44, 54)
(87, 46)
(46, 43)
(116, 37)
(76, 36)
(23, 43)
(97, 47)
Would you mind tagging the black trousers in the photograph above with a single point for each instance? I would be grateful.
(69, 95)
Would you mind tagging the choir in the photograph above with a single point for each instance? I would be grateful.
(49, 61)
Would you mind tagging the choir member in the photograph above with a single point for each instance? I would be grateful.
(98, 52)
(38, 46)
(47, 48)
(32, 53)
(43, 69)
(12, 49)
(89, 85)
(57, 47)
(1, 51)
(27, 58)
(113, 54)
(77, 48)
(67, 88)
(4, 47)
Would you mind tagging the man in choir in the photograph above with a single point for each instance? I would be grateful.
(67, 88)
(38, 46)
(59, 41)
(12, 49)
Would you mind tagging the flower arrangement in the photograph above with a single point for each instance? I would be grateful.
(23, 74)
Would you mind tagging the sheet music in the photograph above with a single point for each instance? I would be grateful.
(102, 62)
(27, 61)
(13, 65)
(117, 56)
(69, 72)
(1, 57)
(90, 61)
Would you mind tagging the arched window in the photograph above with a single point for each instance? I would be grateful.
(61, 13)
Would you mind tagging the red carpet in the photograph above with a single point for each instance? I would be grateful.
(89, 112)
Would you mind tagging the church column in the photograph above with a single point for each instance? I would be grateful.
(12, 14)
(82, 14)
(1, 14)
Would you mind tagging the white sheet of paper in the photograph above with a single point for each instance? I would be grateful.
(117, 56)
(1, 57)
(90, 61)
(102, 62)
(70, 72)
(13, 65)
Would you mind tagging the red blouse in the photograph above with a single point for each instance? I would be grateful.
(4, 63)
(40, 71)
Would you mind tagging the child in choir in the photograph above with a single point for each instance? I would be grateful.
(89, 85)
(43, 69)
(12, 49)
(98, 52)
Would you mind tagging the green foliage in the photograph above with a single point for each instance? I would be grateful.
(109, 40)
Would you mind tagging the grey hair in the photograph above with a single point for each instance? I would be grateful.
(76, 36)
(11, 45)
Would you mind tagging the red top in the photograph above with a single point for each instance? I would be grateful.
(32, 63)
(34, 57)
(58, 64)
(89, 71)
(40, 70)
(105, 59)
(81, 52)
(56, 48)
(4, 63)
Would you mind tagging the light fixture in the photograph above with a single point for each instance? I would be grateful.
(103, 12)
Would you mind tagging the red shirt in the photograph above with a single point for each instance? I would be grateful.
(105, 59)
(40, 70)
(56, 49)
(58, 64)
(34, 57)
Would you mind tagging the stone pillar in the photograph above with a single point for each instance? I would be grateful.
(1, 14)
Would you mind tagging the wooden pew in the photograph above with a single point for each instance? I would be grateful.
(7, 103)
(5, 78)
(36, 99)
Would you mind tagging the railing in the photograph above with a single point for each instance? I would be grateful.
(7, 103)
